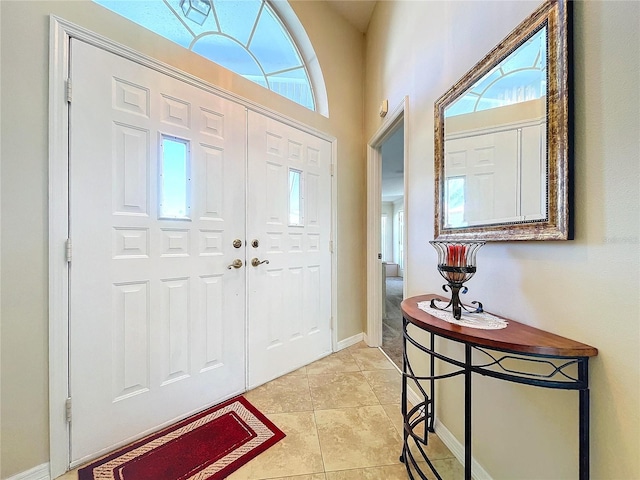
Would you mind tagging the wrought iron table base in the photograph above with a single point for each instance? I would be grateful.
(423, 414)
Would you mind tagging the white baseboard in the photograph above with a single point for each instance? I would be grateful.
(450, 440)
(398, 367)
(457, 449)
(41, 472)
(413, 397)
(347, 342)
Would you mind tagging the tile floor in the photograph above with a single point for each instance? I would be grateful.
(342, 419)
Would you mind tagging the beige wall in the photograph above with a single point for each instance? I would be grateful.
(24, 262)
(586, 289)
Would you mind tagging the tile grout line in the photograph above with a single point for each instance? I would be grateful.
(315, 422)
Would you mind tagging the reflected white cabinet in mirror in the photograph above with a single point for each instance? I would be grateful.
(503, 137)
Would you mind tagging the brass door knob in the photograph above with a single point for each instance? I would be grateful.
(255, 261)
(237, 263)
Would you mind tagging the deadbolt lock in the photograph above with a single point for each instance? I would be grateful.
(237, 243)
(255, 243)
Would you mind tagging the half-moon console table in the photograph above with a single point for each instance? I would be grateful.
(518, 353)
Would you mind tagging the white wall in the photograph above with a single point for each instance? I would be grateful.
(398, 206)
(24, 257)
(391, 253)
(387, 253)
(585, 289)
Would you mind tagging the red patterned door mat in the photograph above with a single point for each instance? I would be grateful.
(209, 445)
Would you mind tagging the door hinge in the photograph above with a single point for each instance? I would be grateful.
(67, 248)
(331, 246)
(68, 90)
(67, 408)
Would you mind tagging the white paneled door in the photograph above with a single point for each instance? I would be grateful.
(289, 265)
(168, 189)
(157, 319)
(488, 165)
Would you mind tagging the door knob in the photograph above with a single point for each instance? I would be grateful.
(237, 263)
(255, 261)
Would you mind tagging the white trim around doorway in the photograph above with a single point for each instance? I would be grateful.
(394, 119)
(61, 32)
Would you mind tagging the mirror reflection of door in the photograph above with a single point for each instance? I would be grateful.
(495, 143)
(391, 242)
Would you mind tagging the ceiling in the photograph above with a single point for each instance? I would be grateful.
(357, 12)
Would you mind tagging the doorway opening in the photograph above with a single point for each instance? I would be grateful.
(392, 243)
(387, 233)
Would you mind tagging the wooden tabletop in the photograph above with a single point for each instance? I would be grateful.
(516, 337)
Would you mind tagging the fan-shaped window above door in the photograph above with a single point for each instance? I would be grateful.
(521, 78)
(248, 37)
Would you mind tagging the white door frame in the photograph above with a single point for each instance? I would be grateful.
(61, 31)
(373, 335)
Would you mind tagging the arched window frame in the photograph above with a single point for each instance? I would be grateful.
(282, 12)
(301, 40)
(472, 100)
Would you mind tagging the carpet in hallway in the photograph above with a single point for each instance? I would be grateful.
(392, 324)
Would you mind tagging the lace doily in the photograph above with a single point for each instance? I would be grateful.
(483, 321)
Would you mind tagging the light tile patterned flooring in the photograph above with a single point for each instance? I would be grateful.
(342, 419)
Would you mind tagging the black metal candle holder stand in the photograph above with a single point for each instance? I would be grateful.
(456, 264)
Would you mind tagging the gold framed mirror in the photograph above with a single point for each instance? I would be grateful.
(503, 135)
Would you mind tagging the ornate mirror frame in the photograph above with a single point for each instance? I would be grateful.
(556, 16)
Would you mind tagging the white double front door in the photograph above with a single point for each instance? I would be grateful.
(170, 188)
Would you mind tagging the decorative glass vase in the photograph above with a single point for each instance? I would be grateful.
(456, 264)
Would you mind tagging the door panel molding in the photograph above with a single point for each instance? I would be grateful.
(138, 313)
(61, 31)
(289, 284)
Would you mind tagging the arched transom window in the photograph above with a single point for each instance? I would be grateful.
(519, 78)
(244, 36)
